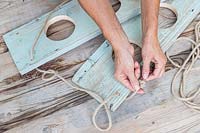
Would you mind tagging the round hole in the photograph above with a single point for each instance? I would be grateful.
(167, 16)
(59, 28)
(116, 4)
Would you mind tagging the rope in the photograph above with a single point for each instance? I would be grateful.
(103, 103)
(43, 27)
(184, 70)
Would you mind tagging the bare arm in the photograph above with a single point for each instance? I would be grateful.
(103, 14)
(151, 51)
(150, 11)
(126, 69)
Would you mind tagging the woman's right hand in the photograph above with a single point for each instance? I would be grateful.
(127, 71)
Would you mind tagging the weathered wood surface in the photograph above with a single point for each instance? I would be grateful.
(37, 99)
(167, 117)
(26, 98)
(15, 13)
(170, 117)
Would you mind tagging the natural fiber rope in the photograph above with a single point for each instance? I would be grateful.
(43, 27)
(103, 103)
(184, 70)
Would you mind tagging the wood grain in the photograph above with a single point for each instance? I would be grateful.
(16, 89)
(36, 99)
(158, 116)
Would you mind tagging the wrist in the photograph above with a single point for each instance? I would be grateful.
(150, 35)
(128, 48)
(117, 39)
(120, 45)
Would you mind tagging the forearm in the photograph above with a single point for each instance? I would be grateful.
(150, 12)
(103, 14)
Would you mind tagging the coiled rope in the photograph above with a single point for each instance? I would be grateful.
(184, 70)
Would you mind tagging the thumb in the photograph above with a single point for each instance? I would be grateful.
(146, 68)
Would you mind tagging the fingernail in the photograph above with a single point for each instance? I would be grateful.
(140, 91)
(145, 76)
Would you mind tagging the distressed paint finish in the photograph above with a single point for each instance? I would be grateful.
(103, 83)
(102, 65)
(20, 41)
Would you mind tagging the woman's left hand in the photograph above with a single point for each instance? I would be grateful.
(151, 52)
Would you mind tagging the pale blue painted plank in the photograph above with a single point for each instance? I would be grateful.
(20, 40)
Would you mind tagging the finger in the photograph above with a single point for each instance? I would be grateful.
(140, 91)
(124, 81)
(137, 69)
(146, 68)
(156, 72)
(127, 84)
(133, 80)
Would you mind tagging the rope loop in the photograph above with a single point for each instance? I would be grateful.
(184, 70)
(51, 74)
(47, 75)
(103, 104)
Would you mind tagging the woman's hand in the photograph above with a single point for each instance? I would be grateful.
(127, 71)
(151, 52)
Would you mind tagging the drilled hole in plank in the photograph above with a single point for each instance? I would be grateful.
(59, 28)
(167, 16)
